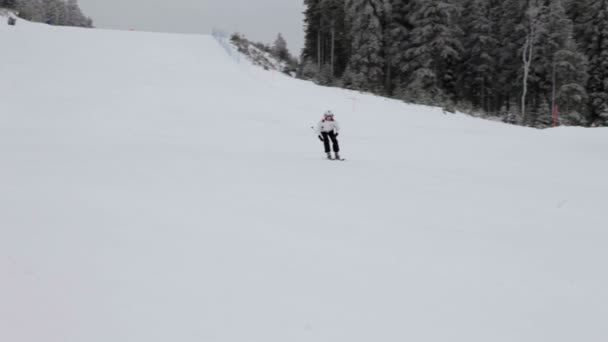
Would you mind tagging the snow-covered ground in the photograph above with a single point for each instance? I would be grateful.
(154, 189)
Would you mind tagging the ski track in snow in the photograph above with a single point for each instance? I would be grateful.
(154, 189)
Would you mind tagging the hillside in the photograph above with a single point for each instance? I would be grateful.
(155, 189)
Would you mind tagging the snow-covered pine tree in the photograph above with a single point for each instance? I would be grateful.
(571, 80)
(534, 29)
(75, 17)
(508, 116)
(312, 32)
(479, 60)
(578, 11)
(539, 111)
(335, 42)
(397, 40)
(560, 70)
(8, 4)
(279, 48)
(326, 39)
(597, 52)
(511, 36)
(32, 10)
(55, 12)
(434, 51)
(365, 70)
(545, 42)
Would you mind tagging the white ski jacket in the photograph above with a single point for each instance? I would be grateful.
(326, 126)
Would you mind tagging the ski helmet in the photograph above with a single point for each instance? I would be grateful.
(329, 114)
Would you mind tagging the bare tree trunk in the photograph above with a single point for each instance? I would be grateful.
(333, 47)
(527, 59)
(553, 95)
(388, 79)
(324, 50)
(528, 53)
(483, 96)
(319, 49)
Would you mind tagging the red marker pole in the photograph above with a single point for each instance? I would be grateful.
(555, 116)
(553, 99)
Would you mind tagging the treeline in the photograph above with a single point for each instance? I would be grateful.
(278, 50)
(513, 59)
(52, 12)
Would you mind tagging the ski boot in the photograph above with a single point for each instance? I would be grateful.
(337, 157)
(329, 156)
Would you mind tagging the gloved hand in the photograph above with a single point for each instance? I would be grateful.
(336, 133)
(321, 138)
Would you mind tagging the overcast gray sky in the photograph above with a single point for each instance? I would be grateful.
(260, 20)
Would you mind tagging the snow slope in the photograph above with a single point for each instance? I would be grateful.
(153, 189)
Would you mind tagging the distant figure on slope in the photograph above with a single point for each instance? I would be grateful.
(328, 129)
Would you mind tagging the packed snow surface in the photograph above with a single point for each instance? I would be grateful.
(152, 188)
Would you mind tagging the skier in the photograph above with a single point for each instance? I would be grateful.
(328, 129)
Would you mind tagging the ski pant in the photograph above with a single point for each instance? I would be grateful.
(327, 136)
